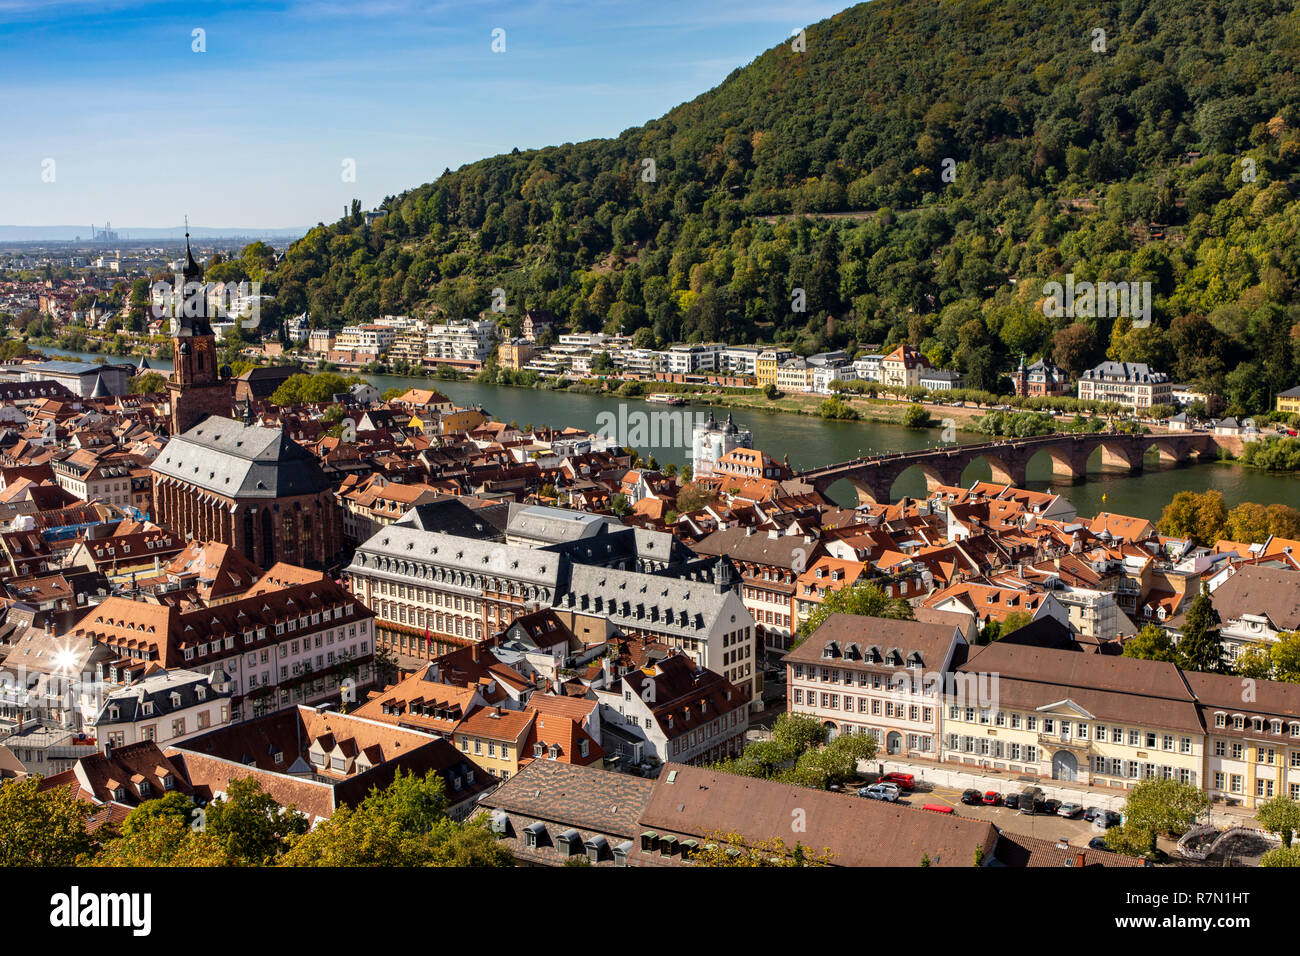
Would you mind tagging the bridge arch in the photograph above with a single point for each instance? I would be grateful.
(1005, 467)
(1065, 463)
(1173, 450)
(935, 473)
(1119, 453)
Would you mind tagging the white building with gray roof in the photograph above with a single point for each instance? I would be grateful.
(433, 592)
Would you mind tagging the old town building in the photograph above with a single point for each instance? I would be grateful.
(250, 487)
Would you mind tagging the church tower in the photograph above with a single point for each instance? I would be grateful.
(195, 386)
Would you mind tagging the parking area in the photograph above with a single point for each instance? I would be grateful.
(1045, 826)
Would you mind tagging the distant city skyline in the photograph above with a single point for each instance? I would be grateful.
(111, 115)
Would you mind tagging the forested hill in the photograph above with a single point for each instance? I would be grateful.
(1171, 157)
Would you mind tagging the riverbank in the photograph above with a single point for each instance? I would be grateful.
(793, 430)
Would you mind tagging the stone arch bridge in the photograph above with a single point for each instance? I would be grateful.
(1008, 459)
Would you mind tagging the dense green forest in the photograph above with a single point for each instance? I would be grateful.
(1172, 157)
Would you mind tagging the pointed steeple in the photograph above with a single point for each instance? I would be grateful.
(193, 272)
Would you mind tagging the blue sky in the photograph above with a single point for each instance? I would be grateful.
(254, 131)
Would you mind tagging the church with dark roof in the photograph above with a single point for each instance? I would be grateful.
(249, 487)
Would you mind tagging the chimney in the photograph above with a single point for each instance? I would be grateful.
(1079, 858)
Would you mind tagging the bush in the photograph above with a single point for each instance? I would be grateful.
(917, 417)
(836, 409)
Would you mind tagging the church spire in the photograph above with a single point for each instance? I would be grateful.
(192, 270)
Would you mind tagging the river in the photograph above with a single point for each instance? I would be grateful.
(810, 441)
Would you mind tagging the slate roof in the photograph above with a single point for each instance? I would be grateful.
(555, 524)
(158, 689)
(576, 795)
(1272, 592)
(1139, 372)
(236, 460)
(411, 551)
(451, 515)
(66, 368)
(636, 601)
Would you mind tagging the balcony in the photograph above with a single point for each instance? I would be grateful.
(1057, 742)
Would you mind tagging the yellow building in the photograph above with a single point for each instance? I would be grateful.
(1289, 401)
(767, 365)
(495, 738)
(1252, 747)
(1073, 716)
(454, 422)
(514, 354)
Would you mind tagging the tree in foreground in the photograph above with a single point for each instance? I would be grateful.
(1281, 815)
(1130, 840)
(1281, 856)
(249, 824)
(405, 824)
(1165, 806)
(41, 828)
(160, 840)
(1284, 657)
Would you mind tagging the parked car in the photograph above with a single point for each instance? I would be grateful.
(881, 791)
(1030, 801)
(1092, 813)
(1098, 843)
(992, 798)
(1051, 806)
(1069, 810)
(904, 781)
(1108, 819)
(937, 807)
(1012, 801)
(972, 797)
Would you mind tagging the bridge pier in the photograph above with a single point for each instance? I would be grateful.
(1070, 468)
(1007, 472)
(1121, 457)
